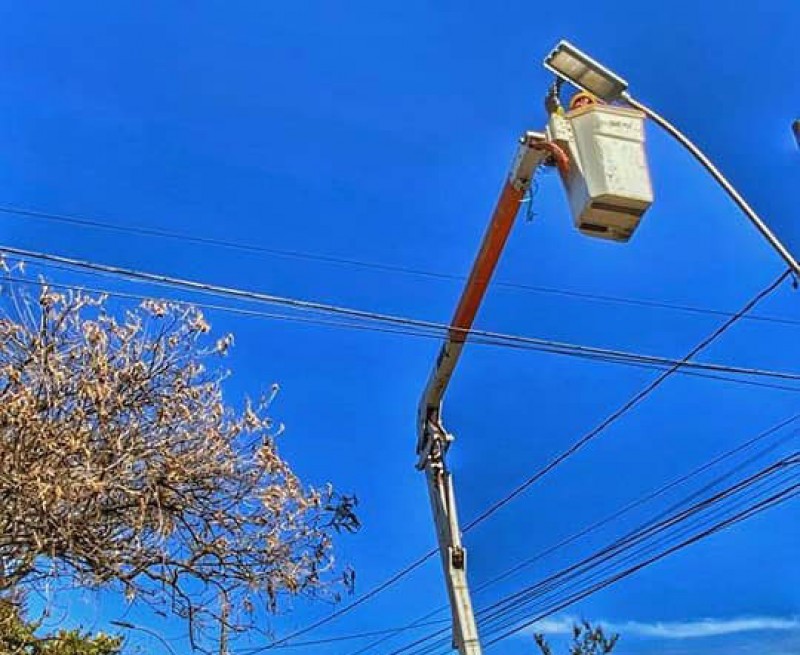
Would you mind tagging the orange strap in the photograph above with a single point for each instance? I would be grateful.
(561, 158)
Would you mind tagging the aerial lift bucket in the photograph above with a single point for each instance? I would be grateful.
(608, 181)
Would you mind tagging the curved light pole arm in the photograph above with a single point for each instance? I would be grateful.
(698, 154)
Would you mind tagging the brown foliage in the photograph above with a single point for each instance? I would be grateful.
(121, 466)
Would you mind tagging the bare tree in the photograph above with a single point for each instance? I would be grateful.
(586, 640)
(121, 467)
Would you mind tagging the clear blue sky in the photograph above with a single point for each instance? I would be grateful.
(382, 132)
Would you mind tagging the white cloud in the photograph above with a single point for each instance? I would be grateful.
(677, 629)
(709, 627)
(555, 626)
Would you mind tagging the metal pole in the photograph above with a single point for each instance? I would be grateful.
(700, 156)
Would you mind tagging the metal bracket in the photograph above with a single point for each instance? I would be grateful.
(529, 156)
(458, 558)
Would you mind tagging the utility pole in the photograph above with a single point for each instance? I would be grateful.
(433, 440)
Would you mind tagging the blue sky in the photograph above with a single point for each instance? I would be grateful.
(382, 132)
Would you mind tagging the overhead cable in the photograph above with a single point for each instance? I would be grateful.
(629, 405)
(660, 491)
(503, 608)
(241, 246)
(479, 336)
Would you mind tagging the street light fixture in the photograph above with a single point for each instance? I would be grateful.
(578, 68)
(566, 61)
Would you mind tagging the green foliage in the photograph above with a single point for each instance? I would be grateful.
(19, 637)
(586, 640)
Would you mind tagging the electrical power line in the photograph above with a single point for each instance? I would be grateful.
(348, 608)
(516, 601)
(628, 405)
(560, 602)
(413, 624)
(642, 537)
(706, 370)
(552, 590)
(774, 500)
(661, 491)
(497, 338)
(618, 414)
(341, 638)
(515, 569)
(649, 536)
(415, 564)
(240, 246)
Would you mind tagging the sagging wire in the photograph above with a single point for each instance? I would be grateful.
(530, 210)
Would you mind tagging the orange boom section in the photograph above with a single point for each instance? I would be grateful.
(485, 263)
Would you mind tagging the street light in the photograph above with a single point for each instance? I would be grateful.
(578, 68)
(566, 61)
